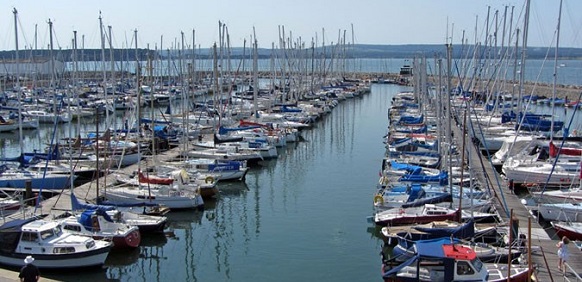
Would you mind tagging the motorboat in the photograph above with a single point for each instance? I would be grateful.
(49, 245)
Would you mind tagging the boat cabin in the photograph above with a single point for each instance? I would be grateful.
(438, 261)
(42, 236)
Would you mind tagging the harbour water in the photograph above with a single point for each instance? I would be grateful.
(569, 72)
(300, 217)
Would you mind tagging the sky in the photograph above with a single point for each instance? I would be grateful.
(160, 24)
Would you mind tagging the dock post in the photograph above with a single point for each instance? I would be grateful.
(529, 263)
(511, 238)
(28, 192)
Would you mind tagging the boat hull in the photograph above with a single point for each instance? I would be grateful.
(175, 202)
(48, 182)
(566, 229)
(129, 240)
(92, 258)
(413, 219)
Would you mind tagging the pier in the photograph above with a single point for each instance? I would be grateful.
(544, 256)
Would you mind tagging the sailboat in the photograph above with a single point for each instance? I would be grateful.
(174, 196)
(18, 177)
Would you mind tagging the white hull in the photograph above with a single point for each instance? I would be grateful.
(44, 117)
(538, 173)
(115, 161)
(7, 127)
(561, 212)
(231, 175)
(57, 261)
(562, 195)
(171, 199)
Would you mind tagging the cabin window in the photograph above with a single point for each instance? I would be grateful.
(46, 234)
(29, 236)
(72, 228)
(57, 230)
(436, 212)
(478, 264)
(63, 250)
(463, 268)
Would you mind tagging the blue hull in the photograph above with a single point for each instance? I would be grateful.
(51, 183)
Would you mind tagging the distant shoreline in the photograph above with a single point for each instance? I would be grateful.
(348, 51)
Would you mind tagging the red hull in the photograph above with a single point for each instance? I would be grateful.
(571, 234)
(131, 240)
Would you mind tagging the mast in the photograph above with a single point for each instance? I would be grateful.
(523, 54)
(449, 111)
(112, 77)
(255, 74)
(138, 78)
(18, 82)
(103, 70)
(215, 73)
(74, 78)
(52, 60)
(555, 72)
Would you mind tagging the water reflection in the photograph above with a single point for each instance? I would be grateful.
(120, 258)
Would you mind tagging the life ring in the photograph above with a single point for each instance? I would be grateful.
(209, 179)
(378, 199)
(181, 194)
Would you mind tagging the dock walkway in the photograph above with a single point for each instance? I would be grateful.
(544, 250)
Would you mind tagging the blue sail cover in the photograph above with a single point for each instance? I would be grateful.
(441, 178)
(225, 166)
(435, 199)
(535, 122)
(76, 205)
(433, 248)
(86, 221)
(404, 120)
(287, 109)
(411, 105)
(413, 169)
(416, 192)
